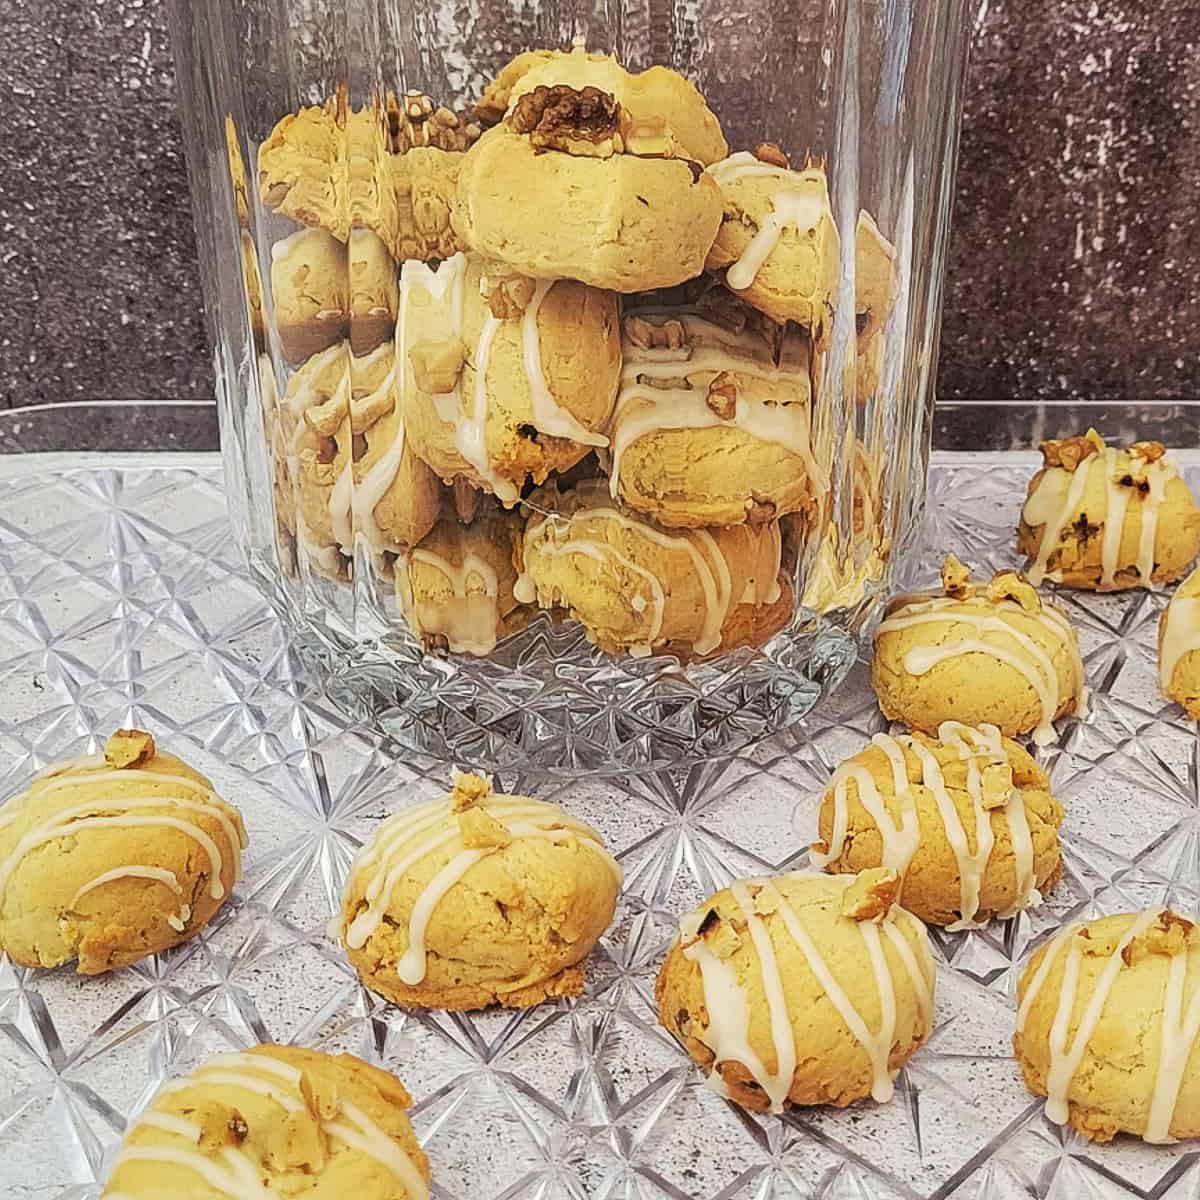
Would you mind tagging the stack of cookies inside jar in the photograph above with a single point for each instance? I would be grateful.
(562, 352)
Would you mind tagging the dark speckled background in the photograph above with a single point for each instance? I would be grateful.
(1073, 265)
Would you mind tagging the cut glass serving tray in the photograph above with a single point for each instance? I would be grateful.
(122, 602)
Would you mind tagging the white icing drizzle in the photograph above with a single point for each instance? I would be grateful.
(549, 416)
(470, 621)
(410, 837)
(236, 1174)
(1177, 1041)
(708, 561)
(1026, 656)
(1181, 636)
(899, 843)
(67, 822)
(1054, 502)
(726, 998)
(158, 874)
(790, 207)
(1065, 1055)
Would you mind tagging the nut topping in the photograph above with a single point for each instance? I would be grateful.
(769, 153)
(956, 579)
(507, 295)
(1068, 453)
(583, 122)
(722, 396)
(129, 748)
(871, 895)
(645, 335)
(437, 365)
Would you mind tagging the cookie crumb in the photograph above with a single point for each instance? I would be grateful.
(871, 895)
(469, 789)
(129, 748)
(437, 365)
(956, 579)
(481, 831)
(1012, 585)
(997, 785)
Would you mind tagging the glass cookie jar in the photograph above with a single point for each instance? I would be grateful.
(574, 360)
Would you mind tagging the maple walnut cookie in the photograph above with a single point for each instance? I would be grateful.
(777, 244)
(1179, 646)
(802, 989)
(455, 587)
(311, 293)
(1102, 518)
(966, 819)
(998, 654)
(476, 899)
(637, 587)
(112, 858)
(712, 424)
(1108, 1026)
(506, 378)
(595, 174)
(286, 1120)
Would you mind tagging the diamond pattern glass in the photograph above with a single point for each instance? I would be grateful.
(123, 601)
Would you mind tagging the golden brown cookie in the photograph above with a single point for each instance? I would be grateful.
(315, 430)
(477, 899)
(456, 587)
(374, 287)
(1102, 518)
(778, 244)
(112, 858)
(1179, 646)
(595, 174)
(252, 281)
(274, 1121)
(712, 424)
(508, 378)
(1108, 1021)
(802, 989)
(999, 654)
(310, 290)
(637, 587)
(303, 166)
(875, 281)
(389, 497)
(967, 821)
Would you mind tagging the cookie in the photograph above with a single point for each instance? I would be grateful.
(507, 378)
(712, 425)
(477, 899)
(315, 430)
(998, 654)
(374, 287)
(777, 245)
(1108, 1021)
(1179, 646)
(456, 587)
(303, 168)
(595, 174)
(635, 586)
(966, 820)
(1101, 518)
(388, 496)
(112, 858)
(425, 185)
(310, 290)
(252, 282)
(274, 1121)
(802, 989)
(875, 280)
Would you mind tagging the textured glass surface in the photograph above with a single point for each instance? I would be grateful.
(863, 93)
(123, 601)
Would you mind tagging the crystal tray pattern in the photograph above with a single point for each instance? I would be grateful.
(122, 601)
